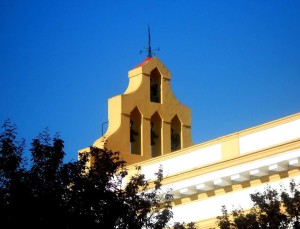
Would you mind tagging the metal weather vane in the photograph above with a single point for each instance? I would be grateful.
(148, 49)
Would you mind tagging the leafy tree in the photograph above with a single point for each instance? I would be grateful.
(291, 202)
(271, 209)
(102, 200)
(11, 175)
(183, 225)
(46, 179)
(267, 207)
(52, 194)
(224, 220)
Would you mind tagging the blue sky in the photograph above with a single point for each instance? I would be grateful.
(235, 63)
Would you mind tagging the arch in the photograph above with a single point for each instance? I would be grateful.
(155, 135)
(155, 86)
(135, 127)
(176, 139)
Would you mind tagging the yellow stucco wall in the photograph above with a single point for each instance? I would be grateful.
(137, 95)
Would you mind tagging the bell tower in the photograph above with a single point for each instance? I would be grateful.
(147, 120)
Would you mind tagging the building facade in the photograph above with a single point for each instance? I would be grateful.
(151, 128)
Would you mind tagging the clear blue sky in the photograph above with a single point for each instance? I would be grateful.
(235, 63)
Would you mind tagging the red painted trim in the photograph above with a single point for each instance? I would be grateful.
(144, 62)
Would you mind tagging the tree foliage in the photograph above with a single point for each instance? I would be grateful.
(12, 174)
(184, 225)
(52, 194)
(271, 209)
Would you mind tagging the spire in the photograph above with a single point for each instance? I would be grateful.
(149, 43)
(148, 49)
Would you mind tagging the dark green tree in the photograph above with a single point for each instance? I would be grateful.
(271, 209)
(100, 197)
(291, 202)
(12, 174)
(224, 221)
(183, 225)
(267, 206)
(48, 182)
(52, 194)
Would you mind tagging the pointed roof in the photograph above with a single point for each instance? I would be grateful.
(144, 62)
(148, 65)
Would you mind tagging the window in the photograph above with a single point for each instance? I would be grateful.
(175, 134)
(155, 86)
(155, 128)
(135, 131)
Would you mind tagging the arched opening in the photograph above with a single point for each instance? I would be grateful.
(155, 128)
(135, 131)
(155, 86)
(175, 134)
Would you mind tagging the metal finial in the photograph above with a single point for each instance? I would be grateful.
(148, 49)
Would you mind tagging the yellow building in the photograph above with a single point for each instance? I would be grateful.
(150, 127)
